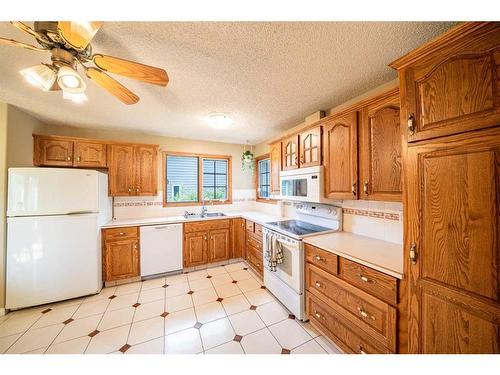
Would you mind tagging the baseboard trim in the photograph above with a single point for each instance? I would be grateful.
(3, 311)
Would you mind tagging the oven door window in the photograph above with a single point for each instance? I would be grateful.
(294, 187)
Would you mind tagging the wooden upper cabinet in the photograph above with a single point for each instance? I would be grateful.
(218, 249)
(380, 150)
(121, 170)
(340, 147)
(90, 154)
(146, 182)
(310, 147)
(455, 88)
(52, 152)
(275, 160)
(453, 216)
(290, 158)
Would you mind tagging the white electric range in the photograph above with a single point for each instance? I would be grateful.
(287, 283)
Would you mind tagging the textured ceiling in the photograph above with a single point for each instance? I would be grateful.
(269, 76)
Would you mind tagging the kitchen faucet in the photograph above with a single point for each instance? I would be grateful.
(203, 207)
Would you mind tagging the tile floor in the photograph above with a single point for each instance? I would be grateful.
(220, 310)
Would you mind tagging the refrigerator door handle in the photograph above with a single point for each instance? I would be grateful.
(80, 212)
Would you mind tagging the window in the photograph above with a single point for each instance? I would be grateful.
(191, 178)
(264, 178)
(215, 179)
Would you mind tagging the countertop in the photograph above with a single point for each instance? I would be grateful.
(386, 257)
(255, 216)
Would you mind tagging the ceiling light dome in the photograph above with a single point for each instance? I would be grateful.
(70, 81)
(220, 120)
(40, 76)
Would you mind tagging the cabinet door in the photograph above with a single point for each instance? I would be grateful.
(145, 170)
(219, 245)
(275, 159)
(238, 243)
(453, 93)
(52, 152)
(453, 220)
(121, 169)
(310, 147)
(121, 260)
(195, 249)
(90, 155)
(291, 153)
(380, 151)
(341, 157)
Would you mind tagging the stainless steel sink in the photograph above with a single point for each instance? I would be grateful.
(214, 214)
(200, 216)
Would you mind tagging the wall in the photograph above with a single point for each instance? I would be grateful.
(3, 200)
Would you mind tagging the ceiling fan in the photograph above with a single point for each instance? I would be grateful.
(69, 44)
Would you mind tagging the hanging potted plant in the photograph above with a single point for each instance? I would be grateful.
(247, 160)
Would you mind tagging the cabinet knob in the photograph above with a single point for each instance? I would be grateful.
(122, 234)
(78, 159)
(318, 315)
(411, 124)
(317, 257)
(365, 187)
(361, 350)
(353, 188)
(366, 279)
(364, 314)
(129, 190)
(318, 284)
(137, 189)
(69, 158)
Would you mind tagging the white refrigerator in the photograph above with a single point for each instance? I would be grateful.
(54, 217)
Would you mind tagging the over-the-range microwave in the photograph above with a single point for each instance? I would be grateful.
(303, 184)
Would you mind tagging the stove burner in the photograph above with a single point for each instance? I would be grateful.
(297, 227)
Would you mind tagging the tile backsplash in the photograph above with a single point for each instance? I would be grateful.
(144, 207)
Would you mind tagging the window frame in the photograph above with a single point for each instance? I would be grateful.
(256, 179)
(200, 157)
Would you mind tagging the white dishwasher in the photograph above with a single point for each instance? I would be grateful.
(161, 249)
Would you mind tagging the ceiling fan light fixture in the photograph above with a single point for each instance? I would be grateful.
(40, 76)
(220, 120)
(75, 98)
(70, 81)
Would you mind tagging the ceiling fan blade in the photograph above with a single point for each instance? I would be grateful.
(78, 34)
(23, 27)
(112, 86)
(20, 44)
(130, 69)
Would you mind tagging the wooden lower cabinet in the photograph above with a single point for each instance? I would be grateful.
(218, 248)
(454, 287)
(207, 242)
(354, 305)
(121, 255)
(238, 243)
(195, 249)
(253, 246)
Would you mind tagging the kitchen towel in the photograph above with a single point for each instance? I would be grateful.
(274, 251)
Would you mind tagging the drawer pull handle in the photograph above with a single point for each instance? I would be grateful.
(317, 257)
(361, 350)
(318, 284)
(122, 234)
(364, 314)
(318, 315)
(366, 279)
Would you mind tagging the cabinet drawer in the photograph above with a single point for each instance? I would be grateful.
(255, 260)
(321, 258)
(258, 230)
(118, 234)
(251, 241)
(199, 226)
(250, 226)
(337, 328)
(375, 317)
(374, 282)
